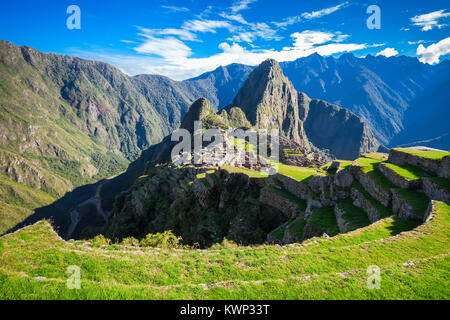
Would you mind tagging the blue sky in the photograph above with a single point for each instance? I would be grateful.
(184, 38)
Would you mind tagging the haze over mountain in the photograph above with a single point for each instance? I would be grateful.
(380, 90)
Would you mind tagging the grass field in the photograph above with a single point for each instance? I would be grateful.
(408, 172)
(414, 265)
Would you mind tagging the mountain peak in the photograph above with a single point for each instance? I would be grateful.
(199, 110)
(270, 101)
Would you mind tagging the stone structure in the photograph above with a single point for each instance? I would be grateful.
(398, 180)
(434, 191)
(360, 201)
(403, 209)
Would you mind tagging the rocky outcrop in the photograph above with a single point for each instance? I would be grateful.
(343, 179)
(199, 110)
(403, 209)
(270, 101)
(338, 130)
(397, 179)
(434, 191)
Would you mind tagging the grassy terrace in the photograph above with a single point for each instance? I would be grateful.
(417, 200)
(414, 265)
(355, 217)
(369, 166)
(250, 173)
(383, 211)
(325, 218)
(408, 172)
(286, 194)
(297, 173)
(434, 155)
(344, 165)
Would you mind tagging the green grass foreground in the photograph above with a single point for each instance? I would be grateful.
(413, 261)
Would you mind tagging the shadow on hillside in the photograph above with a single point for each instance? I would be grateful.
(59, 211)
(401, 225)
(90, 222)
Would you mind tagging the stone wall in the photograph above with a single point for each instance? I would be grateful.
(397, 179)
(403, 209)
(343, 178)
(440, 167)
(435, 191)
(312, 231)
(360, 201)
(342, 224)
(375, 190)
(444, 168)
(279, 202)
(295, 187)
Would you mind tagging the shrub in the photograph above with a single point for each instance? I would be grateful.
(161, 240)
(225, 244)
(130, 241)
(100, 240)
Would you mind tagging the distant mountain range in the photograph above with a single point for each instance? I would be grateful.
(67, 122)
(394, 96)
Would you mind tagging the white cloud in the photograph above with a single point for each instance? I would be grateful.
(241, 5)
(323, 12)
(388, 52)
(234, 17)
(170, 48)
(432, 53)
(310, 15)
(418, 42)
(206, 25)
(175, 9)
(430, 20)
(307, 39)
(172, 58)
(181, 33)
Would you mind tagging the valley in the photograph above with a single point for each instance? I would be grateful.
(88, 179)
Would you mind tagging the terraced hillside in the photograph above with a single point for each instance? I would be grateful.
(206, 204)
(413, 263)
(339, 220)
